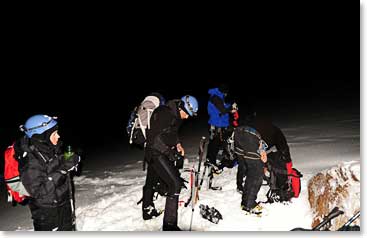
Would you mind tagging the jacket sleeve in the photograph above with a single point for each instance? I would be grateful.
(37, 183)
(170, 136)
(219, 104)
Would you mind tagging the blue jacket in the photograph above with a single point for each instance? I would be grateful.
(215, 117)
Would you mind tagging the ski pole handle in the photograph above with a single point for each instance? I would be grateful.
(334, 213)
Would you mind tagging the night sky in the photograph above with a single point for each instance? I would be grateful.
(92, 76)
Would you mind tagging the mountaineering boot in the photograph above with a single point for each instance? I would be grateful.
(216, 169)
(150, 213)
(170, 227)
(257, 210)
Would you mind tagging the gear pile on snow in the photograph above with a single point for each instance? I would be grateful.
(210, 213)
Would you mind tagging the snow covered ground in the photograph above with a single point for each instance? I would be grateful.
(106, 194)
(108, 201)
(112, 205)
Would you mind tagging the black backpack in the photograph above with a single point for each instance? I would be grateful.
(283, 184)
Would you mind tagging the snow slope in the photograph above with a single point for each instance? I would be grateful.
(106, 194)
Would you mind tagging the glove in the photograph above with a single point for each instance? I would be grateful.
(174, 155)
(179, 164)
(72, 163)
(235, 106)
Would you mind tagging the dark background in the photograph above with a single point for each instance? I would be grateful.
(92, 71)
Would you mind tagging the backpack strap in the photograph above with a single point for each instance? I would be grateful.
(132, 131)
(284, 172)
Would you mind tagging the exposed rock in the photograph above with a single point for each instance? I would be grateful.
(338, 186)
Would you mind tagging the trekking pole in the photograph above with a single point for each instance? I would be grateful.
(191, 185)
(334, 213)
(192, 170)
(73, 216)
(201, 154)
(195, 190)
(67, 155)
(192, 200)
(350, 221)
(197, 174)
(203, 175)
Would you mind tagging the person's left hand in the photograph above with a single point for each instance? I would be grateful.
(264, 157)
(180, 149)
(72, 163)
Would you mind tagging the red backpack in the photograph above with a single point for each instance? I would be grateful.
(278, 193)
(16, 191)
(296, 182)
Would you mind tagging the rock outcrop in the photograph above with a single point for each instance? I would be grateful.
(338, 186)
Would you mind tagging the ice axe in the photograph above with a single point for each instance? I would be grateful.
(334, 213)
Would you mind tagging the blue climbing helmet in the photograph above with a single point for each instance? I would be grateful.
(191, 105)
(38, 124)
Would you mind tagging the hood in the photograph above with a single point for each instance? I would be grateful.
(215, 91)
(174, 106)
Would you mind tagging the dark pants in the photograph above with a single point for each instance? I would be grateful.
(253, 182)
(217, 141)
(241, 172)
(160, 167)
(49, 219)
(148, 189)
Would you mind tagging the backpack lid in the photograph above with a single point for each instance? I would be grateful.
(153, 99)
